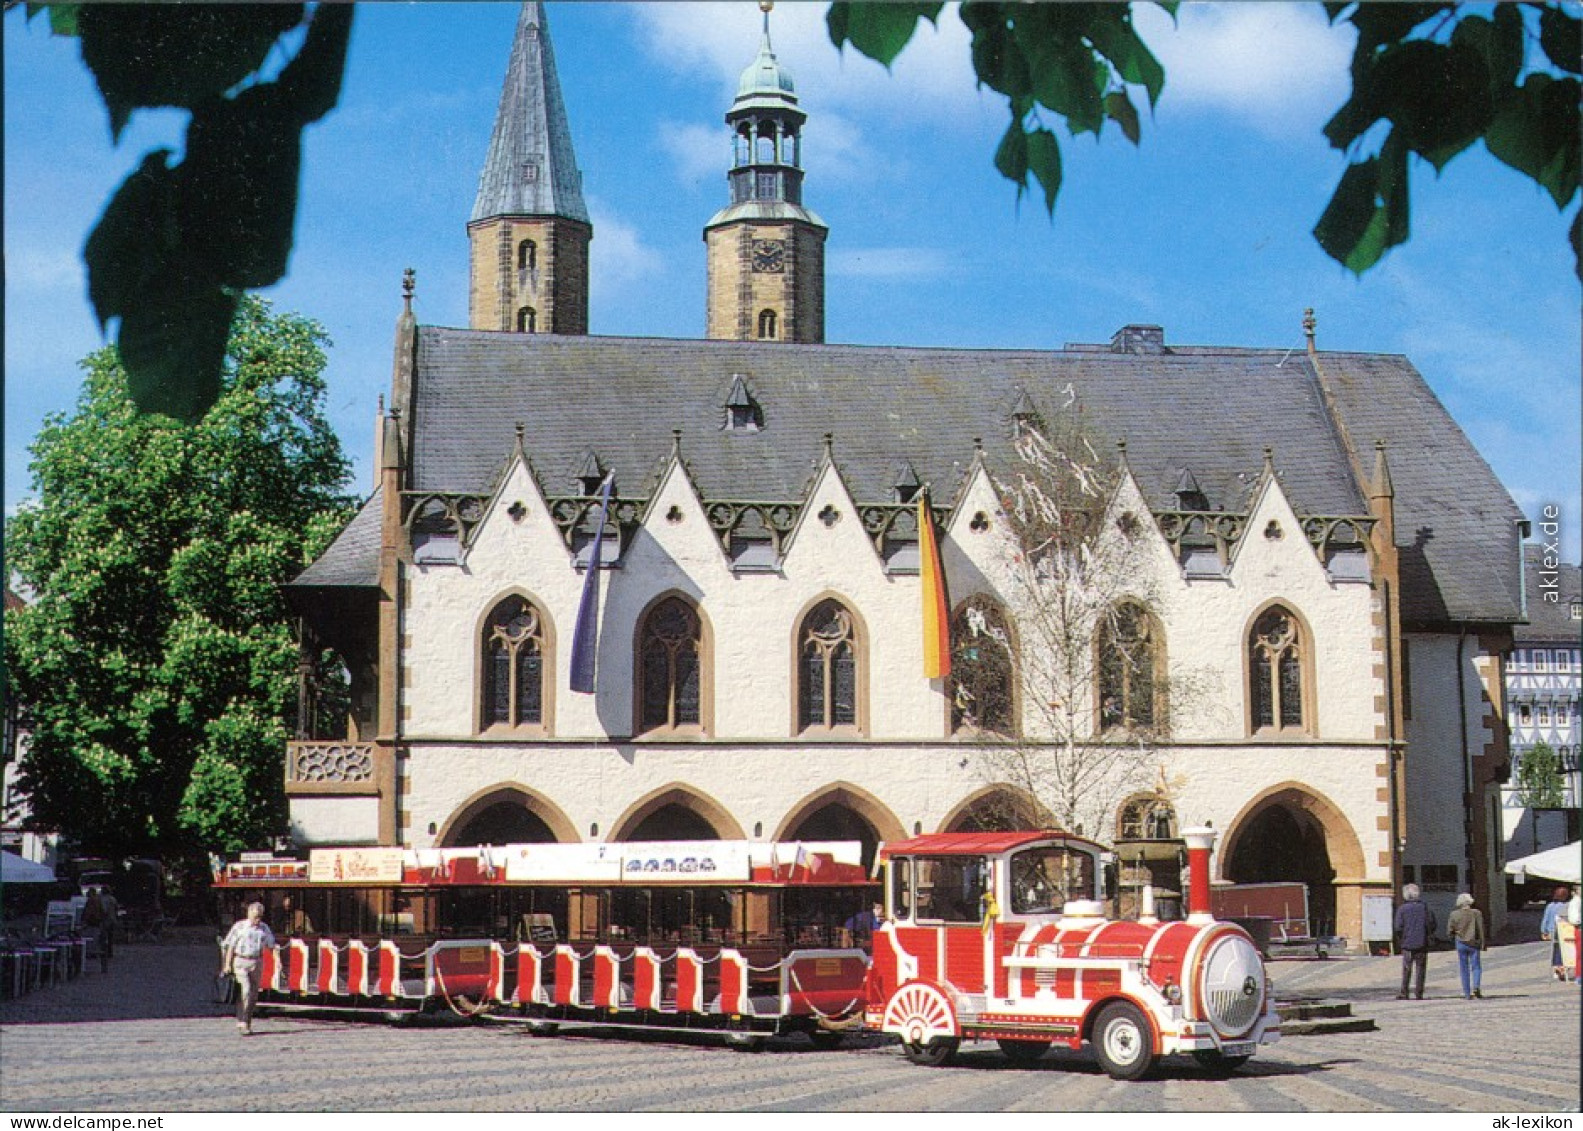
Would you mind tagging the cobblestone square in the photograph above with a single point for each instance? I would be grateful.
(147, 1037)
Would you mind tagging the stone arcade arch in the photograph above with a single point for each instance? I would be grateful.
(676, 812)
(507, 813)
(1290, 832)
(997, 807)
(842, 812)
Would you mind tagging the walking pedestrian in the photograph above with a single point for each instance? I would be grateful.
(243, 952)
(1550, 929)
(1415, 926)
(1574, 916)
(94, 927)
(1466, 928)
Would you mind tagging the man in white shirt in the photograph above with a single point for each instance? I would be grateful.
(244, 948)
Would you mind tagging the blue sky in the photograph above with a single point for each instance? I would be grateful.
(1204, 230)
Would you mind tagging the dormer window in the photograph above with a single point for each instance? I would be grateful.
(905, 485)
(743, 413)
(590, 475)
(1189, 496)
(1025, 414)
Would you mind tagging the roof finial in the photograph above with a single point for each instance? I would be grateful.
(1269, 459)
(1121, 451)
(1310, 323)
(676, 442)
(829, 446)
(409, 284)
(1382, 485)
(766, 6)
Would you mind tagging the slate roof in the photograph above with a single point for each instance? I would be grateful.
(1456, 525)
(1207, 411)
(1550, 622)
(531, 169)
(353, 558)
(622, 397)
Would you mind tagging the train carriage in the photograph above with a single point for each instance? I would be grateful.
(749, 939)
(1002, 936)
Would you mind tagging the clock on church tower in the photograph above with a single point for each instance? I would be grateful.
(769, 256)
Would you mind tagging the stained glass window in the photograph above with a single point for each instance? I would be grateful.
(513, 668)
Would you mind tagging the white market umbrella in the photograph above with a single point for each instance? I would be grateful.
(1563, 865)
(16, 870)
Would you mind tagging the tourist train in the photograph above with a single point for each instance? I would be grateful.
(946, 938)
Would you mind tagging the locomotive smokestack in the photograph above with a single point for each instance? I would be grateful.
(1200, 843)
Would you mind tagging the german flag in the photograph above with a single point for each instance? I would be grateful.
(936, 622)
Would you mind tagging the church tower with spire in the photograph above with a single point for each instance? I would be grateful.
(766, 251)
(529, 230)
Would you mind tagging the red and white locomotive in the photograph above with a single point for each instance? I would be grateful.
(1002, 936)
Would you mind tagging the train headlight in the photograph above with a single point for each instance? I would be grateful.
(1233, 985)
(1173, 993)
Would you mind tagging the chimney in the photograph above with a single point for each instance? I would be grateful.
(1137, 338)
(1200, 843)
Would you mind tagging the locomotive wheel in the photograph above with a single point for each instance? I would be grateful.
(746, 1042)
(1122, 1042)
(920, 1015)
(934, 1054)
(1217, 1063)
(1023, 1052)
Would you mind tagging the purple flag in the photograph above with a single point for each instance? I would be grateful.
(585, 634)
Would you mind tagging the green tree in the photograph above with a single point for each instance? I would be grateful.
(1428, 82)
(155, 663)
(1539, 780)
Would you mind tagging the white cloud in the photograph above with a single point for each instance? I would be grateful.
(45, 269)
(931, 83)
(1280, 67)
(699, 152)
(888, 263)
(619, 257)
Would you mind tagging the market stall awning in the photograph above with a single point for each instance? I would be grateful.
(16, 870)
(1563, 865)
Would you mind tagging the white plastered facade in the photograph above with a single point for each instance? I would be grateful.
(753, 774)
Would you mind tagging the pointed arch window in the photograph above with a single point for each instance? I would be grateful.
(514, 646)
(828, 668)
(1131, 662)
(527, 256)
(1278, 679)
(670, 667)
(983, 669)
(1146, 816)
(527, 320)
(768, 324)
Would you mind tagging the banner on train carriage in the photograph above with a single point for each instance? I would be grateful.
(687, 860)
(641, 862)
(354, 865)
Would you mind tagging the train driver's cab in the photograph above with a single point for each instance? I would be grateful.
(939, 880)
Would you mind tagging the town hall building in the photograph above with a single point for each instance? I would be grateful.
(1317, 551)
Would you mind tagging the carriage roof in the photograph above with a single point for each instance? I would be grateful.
(801, 863)
(983, 843)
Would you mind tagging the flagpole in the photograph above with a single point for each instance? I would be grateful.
(585, 635)
(931, 577)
